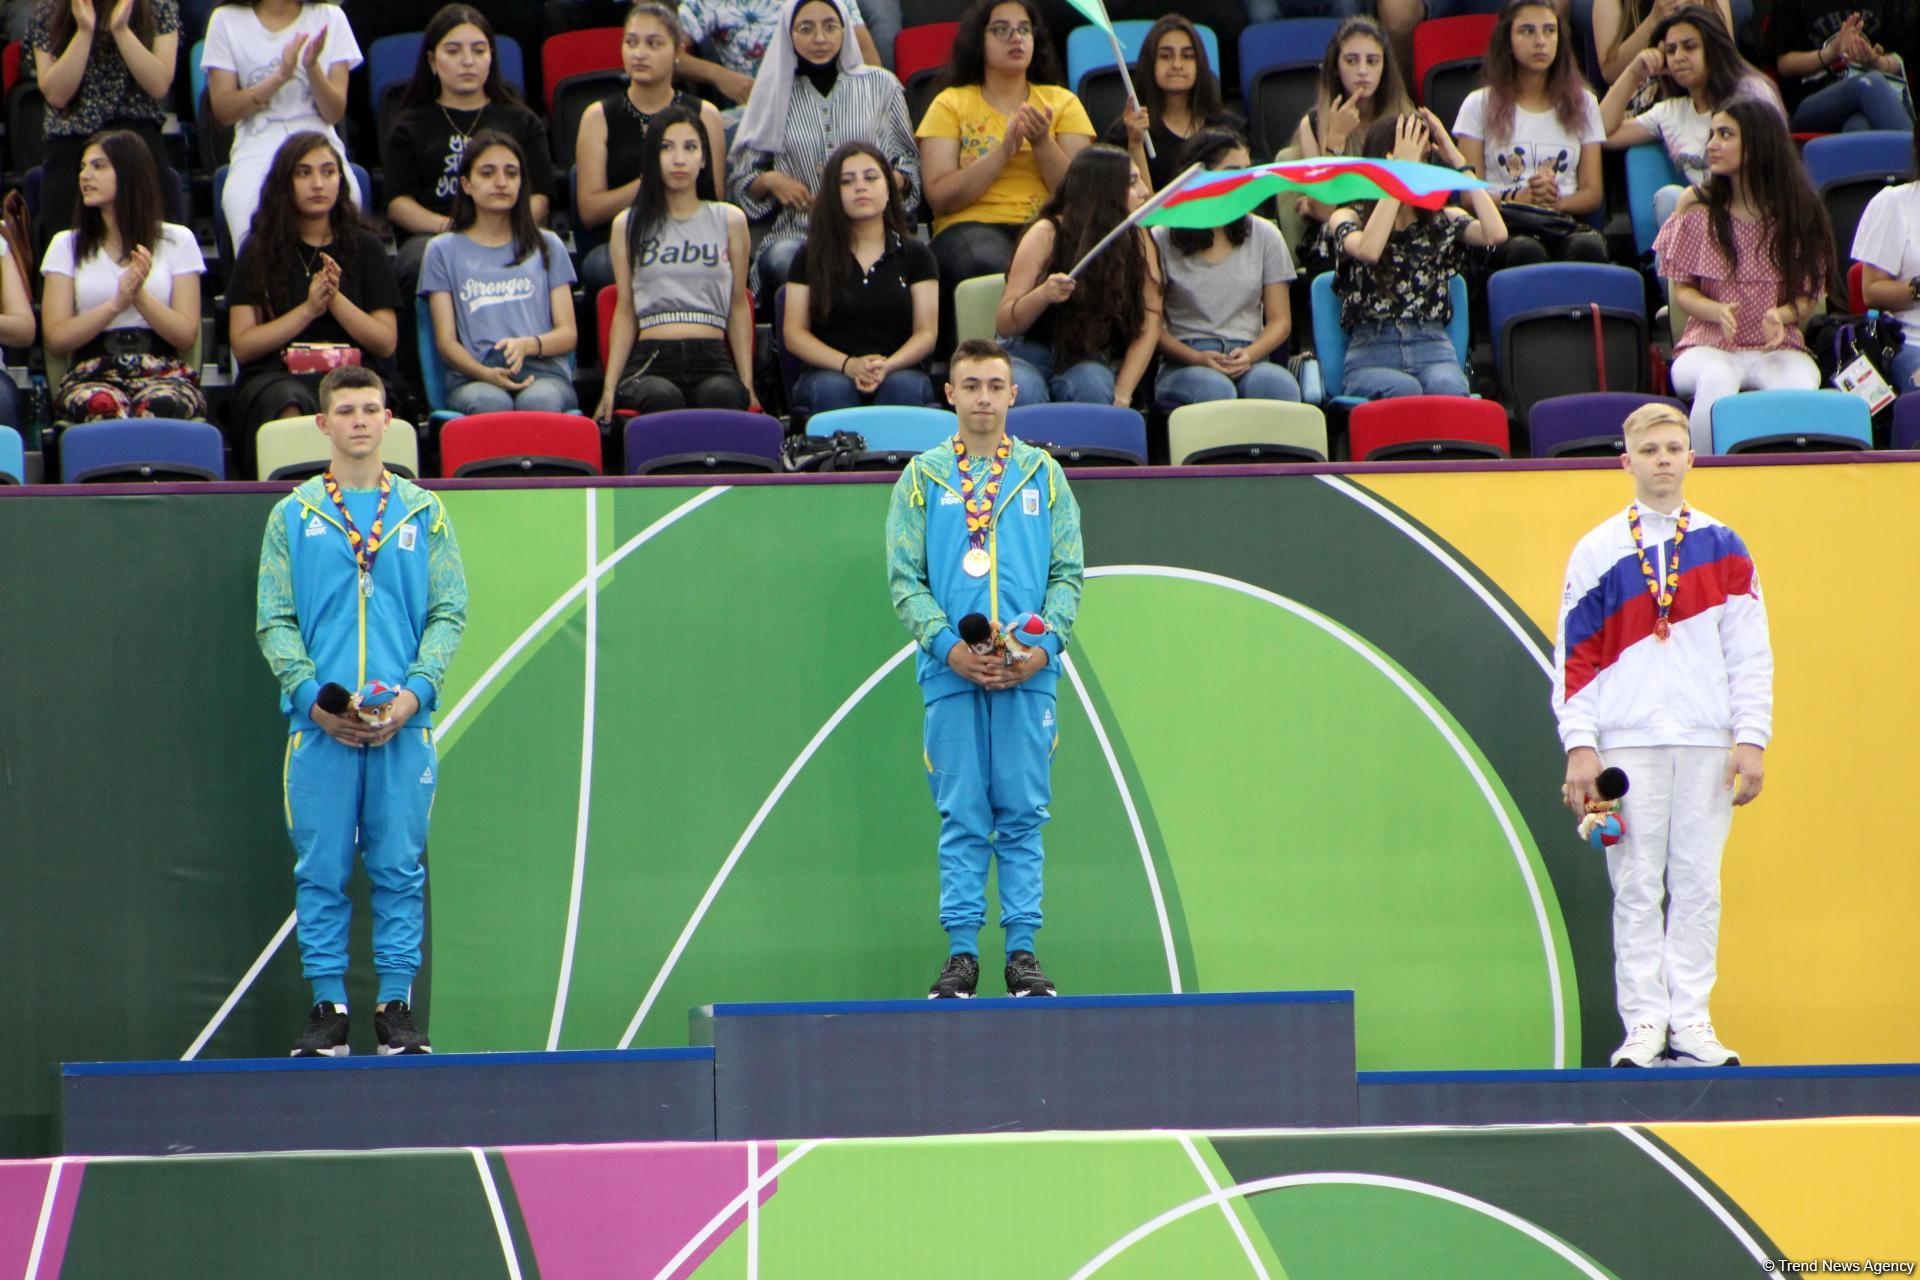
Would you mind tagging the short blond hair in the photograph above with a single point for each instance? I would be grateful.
(1649, 416)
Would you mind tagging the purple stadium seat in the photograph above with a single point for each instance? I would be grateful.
(696, 441)
(1586, 425)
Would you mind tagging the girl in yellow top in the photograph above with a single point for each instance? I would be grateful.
(994, 143)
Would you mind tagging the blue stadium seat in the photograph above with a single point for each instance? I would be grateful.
(1094, 78)
(1648, 170)
(1083, 435)
(1543, 318)
(141, 449)
(433, 370)
(1791, 421)
(1849, 169)
(1330, 337)
(13, 457)
(697, 441)
(1280, 75)
(888, 428)
(391, 59)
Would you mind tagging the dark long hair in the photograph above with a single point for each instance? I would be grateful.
(527, 239)
(1205, 102)
(61, 26)
(139, 210)
(1109, 306)
(1388, 100)
(1799, 236)
(830, 232)
(967, 63)
(274, 255)
(1205, 148)
(648, 212)
(425, 85)
(1566, 86)
(1726, 69)
(1380, 139)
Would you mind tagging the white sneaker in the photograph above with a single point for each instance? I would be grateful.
(1641, 1048)
(1699, 1046)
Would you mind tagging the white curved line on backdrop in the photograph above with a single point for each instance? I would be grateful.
(590, 683)
(1344, 486)
(1133, 821)
(480, 686)
(1243, 1189)
(756, 1183)
(1700, 1193)
(1439, 722)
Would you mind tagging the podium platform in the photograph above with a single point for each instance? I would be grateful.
(916, 1067)
(437, 1100)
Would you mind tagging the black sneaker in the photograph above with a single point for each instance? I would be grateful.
(1024, 977)
(394, 1030)
(326, 1033)
(958, 981)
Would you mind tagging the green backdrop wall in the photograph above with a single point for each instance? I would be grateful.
(1302, 745)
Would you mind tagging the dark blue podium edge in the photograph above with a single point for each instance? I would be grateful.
(1008, 1003)
(1619, 1075)
(374, 1062)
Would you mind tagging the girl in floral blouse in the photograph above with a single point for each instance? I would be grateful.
(1393, 268)
(1748, 254)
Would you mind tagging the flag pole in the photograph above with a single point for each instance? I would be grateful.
(1126, 78)
(1147, 206)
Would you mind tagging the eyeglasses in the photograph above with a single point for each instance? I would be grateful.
(807, 30)
(1010, 31)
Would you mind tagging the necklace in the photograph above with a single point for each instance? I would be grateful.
(1662, 595)
(465, 135)
(366, 549)
(979, 508)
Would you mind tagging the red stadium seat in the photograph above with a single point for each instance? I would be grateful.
(520, 443)
(1446, 57)
(10, 66)
(918, 49)
(573, 53)
(1856, 290)
(1427, 427)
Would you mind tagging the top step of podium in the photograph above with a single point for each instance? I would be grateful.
(894, 1067)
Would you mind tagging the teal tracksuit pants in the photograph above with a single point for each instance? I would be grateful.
(989, 761)
(374, 801)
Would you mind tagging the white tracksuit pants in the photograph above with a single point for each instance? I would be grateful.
(1677, 814)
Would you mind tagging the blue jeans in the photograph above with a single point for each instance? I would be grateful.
(819, 390)
(1180, 384)
(1905, 365)
(546, 395)
(1853, 103)
(1089, 382)
(1387, 360)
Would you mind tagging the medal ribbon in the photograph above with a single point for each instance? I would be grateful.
(1662, 593)
(980, 508)
(366, 549)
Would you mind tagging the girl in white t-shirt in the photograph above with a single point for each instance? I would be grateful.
(1887, 246)
(1697, 68)
(122, 293)
(275, 68)
(1534, 133)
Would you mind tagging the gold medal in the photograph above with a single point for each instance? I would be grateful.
(976, 562)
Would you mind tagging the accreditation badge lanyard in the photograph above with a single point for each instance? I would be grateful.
(366, 549)
(1662, 594)
(979, 507)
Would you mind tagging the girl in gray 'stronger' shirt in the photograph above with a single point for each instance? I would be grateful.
(501, 291)
(682, 332)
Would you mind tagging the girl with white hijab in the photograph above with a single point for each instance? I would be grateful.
(813, 93)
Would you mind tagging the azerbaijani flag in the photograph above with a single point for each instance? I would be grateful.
(1219, 196)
